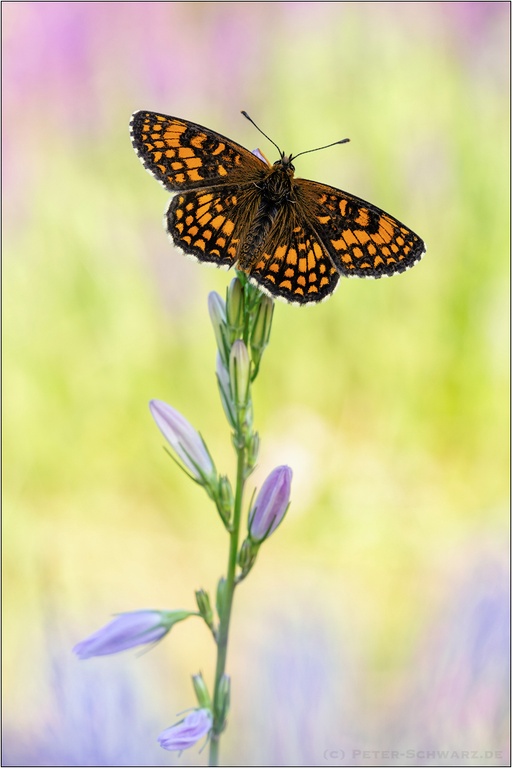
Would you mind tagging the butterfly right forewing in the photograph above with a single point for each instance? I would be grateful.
(184, 155)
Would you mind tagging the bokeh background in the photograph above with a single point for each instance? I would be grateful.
(374, 628)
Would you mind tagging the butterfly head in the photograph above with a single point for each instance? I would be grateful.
(285, 164)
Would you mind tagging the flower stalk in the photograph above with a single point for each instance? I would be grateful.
(248, 322)
(241, 326)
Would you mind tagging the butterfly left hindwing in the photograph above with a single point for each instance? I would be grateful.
(210, 224)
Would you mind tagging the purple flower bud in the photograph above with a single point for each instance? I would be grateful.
(261, 156)
(128, 630)
(182, 436)
(271, 504)
(216, 308)
(188, 731)
(225, 391)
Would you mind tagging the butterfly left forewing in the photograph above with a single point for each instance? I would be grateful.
(361, 239)
(184, 155)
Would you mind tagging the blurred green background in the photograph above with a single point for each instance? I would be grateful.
(377, 614)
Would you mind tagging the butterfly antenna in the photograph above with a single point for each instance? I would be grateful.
(259, 129)
(307, 151)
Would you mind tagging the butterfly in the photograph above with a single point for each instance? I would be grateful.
(294, 238)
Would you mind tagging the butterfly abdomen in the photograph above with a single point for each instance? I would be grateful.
(257, 234)
(275, 190)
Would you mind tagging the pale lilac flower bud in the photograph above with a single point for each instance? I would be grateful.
(217, 310)
(239, 373)
(261, 156)
(271, 504)
(188, 731)
(225, 391)
(186, 442)
(128, 630)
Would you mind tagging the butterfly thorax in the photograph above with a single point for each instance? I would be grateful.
(275, 191)
(277, 185)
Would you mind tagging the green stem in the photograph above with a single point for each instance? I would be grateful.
(223, 634)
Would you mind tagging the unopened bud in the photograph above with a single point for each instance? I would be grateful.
(225, 391)
(225, 499)
(217, 310)
(188, 444)
(239, 373)
(221, 597)
(261, 330)
(222, 701)
(187, 732)
(235, 309)
(204, 605)
(128, 630)
(202, 695)
(253, 445)
(271, 504)
(247, 557)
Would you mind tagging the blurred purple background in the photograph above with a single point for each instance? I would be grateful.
(377, 616)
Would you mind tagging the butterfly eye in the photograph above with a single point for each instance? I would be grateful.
(284, 162)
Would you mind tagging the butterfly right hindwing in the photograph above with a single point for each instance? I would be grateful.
(293, 263)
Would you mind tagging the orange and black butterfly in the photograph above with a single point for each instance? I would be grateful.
(292, 237)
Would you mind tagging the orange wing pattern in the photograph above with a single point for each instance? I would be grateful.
(184, 155)
(293, 237)
(294, 264)
(210, 224)
(361, 239)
